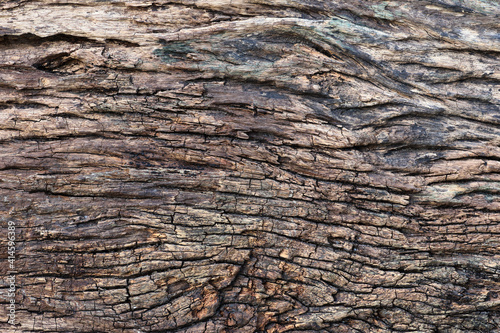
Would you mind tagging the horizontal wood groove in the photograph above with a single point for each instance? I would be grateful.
(249, 166)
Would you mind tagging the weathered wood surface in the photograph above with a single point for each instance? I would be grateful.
(252, 166)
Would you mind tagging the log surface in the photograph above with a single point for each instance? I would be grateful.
(251, 166)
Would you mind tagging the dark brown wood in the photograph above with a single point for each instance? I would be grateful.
(251, 166)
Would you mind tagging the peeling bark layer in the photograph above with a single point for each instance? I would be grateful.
(251, 166)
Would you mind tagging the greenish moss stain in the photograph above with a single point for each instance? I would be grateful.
(380, 10)
(253, 55)
(174, 51)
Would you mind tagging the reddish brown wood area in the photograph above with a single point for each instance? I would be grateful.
(251, 166)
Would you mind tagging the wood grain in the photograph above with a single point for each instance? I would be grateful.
(251, 166)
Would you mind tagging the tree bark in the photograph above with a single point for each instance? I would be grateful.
(250, 166)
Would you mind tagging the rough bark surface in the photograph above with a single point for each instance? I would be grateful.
(251, 166)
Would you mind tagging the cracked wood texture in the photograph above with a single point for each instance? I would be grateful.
(251, 166)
